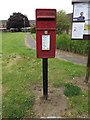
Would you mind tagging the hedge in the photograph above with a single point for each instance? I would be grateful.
(64, 42)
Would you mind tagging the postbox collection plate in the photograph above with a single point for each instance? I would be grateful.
(45, 42)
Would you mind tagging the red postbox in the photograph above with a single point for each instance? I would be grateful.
(45, 33)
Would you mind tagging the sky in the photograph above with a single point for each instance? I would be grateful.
(27, 7)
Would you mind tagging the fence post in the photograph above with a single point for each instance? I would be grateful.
(87, 78)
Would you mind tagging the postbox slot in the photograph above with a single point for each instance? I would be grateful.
(46, 19)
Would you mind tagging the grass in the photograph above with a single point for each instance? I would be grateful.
(65, 71)
(79, 104)
(18, 99)
(21, 68)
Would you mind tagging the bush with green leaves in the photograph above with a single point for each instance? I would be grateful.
(71, 90)
(33, 29)
(64, 42)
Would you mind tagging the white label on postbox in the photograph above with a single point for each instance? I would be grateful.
(45, 42)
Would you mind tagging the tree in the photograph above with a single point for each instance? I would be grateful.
(17, 20)
(63, 22)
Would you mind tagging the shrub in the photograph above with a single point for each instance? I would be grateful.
(71, 90)
(33, 29)
(64, 42)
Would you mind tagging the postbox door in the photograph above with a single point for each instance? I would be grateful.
(46, 44)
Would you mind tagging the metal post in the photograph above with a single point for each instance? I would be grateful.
(88, 64)
(45, 78)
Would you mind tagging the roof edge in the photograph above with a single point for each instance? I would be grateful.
(80, 1)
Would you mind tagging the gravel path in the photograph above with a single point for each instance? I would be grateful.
(30, 42)
(71, 57)
(63, 55)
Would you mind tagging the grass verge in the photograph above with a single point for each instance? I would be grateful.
(21, 68)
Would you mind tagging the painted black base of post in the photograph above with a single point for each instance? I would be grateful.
(45, 78)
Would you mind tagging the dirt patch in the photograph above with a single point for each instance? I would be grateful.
(80, 82)
(57, 103)
(12, 59)
(54, 106)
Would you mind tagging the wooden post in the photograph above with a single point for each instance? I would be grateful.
(87, 78)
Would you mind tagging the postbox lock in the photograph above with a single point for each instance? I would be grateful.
(45, 32)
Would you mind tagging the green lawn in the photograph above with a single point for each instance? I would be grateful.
(21, 68)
